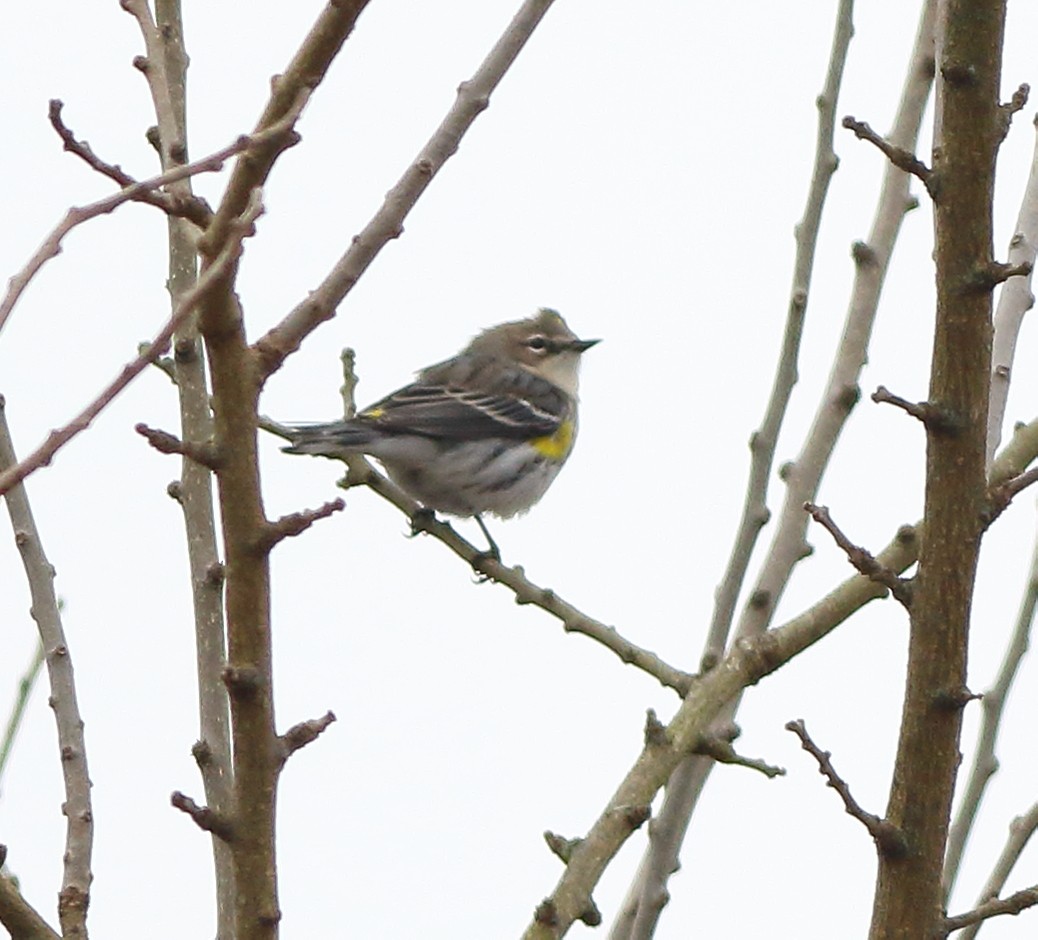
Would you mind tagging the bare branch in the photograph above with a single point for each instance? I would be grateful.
(1020, 831)
(889, 839)
(902, 158)
(473, 98)
(296, 523)
(14, 721)
(985, 763)
(933, 417)
(722, 751)
(863, 560)
(1011, 107)
(57, 439)
(526, 592)
(303, 734)
(1014, 300)
(21, 919)
(1014, 904)
(206, 819)
(755, 513)
(999, 497)
(193, 208)
(166, 443)
(79, 832)
(51, 246)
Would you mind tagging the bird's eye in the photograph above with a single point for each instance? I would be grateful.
(538, 343)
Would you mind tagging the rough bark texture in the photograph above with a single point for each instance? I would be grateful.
(908, 895)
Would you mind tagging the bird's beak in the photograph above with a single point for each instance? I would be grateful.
(582, 345)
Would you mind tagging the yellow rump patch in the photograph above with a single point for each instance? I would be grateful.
(558, 445)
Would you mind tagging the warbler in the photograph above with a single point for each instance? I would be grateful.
(484, 432)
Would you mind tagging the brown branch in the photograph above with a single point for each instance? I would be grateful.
(932, 416)
(193, 208)
(473, 98)
(890, 841)
(57, 439)
(861, 559)
(296, 523)
(303, 734)
(361, 472)
(206, 819)
(51, 246)
(21, 920)
(166, 443)
(901, 158)
(302, 75)
(908, 901)
(1014, 904)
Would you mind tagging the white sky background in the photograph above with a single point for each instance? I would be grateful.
(639, 170)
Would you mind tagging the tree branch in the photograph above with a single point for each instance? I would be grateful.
(20, 919)
(755, 513)
(901, 157)
(888, 838)
(51, 246)
(1014, 904)
(861, 559)
(57, 439)
(788, 545)
(387, 224)
(79, 832)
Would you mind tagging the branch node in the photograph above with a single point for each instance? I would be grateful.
(303, 733)
(721, 750)
(295, 523)
(546, 915)
(166, 443)
(561, 847)
(242, 680)
(655, 731)
(206, 819)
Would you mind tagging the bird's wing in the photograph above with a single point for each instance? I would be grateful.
(451, 413)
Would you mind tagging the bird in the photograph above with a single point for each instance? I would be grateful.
(484, 432)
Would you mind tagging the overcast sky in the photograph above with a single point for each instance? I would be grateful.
(639, 169)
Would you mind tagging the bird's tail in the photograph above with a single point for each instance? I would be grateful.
(328, 440)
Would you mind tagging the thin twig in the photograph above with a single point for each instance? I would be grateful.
(755, 512)
(14, 720)
(57, 439)
(862, 560)
(889, 839)
(1020, 831)
(1014, 904)
(788, 545)
(165, 443)
(722, 751)
(901, 157)
(473, 98)
(192, 208)
(296, 523)
(46, 611)
(362, 473)
(51, 246)
(206, 819)
(303, 734)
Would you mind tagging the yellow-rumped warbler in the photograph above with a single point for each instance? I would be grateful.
(484, 432)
